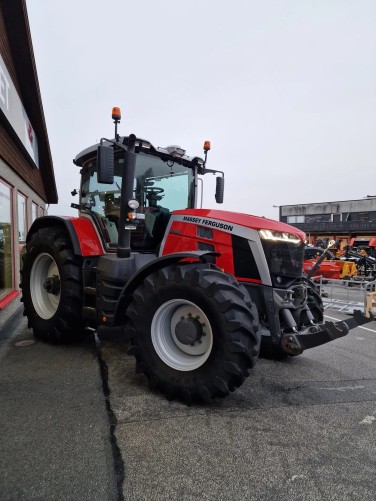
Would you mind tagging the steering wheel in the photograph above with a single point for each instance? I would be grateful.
(154, 190)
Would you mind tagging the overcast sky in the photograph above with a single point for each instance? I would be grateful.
(284, 89)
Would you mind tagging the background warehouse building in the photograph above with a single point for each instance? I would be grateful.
(27, 181)
(345, 220)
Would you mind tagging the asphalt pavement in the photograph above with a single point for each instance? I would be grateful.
(78, 423)
(55, 439)
(301, 429)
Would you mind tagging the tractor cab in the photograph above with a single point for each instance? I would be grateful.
(130, 189)
(159, 188)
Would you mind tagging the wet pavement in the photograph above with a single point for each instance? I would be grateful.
(55, 439)
(80, 424)
(300, 429)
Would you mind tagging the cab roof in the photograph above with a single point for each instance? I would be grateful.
(174, 153)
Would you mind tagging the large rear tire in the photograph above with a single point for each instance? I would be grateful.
(52, 287)
(194, 332)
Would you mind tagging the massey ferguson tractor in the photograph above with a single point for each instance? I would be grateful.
(197, 292)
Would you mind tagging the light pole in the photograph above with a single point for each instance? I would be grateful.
(279, 211)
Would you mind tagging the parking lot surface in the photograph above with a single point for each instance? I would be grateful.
(301, 429)
(55, 437)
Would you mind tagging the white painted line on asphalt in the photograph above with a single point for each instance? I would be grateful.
(296, 477)
(332, 318)
(368, 420)
(342, 388)
(366, 328)
(360, 326)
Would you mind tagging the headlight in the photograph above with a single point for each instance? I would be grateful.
(133, 204)
(279, 236)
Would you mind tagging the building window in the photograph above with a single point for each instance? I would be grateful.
(34, 212)
(41, 212)
(22, 224)
(295, 219)
(363, 216)
(336, 218)
(6, 268)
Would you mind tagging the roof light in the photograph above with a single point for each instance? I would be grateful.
(116, 113)
(175, 151)
(206, 145)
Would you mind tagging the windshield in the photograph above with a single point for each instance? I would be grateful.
(159, 187)
(285, 260)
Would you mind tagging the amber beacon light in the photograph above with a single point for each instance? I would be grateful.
(116, 113)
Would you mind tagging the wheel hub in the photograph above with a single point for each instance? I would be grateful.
(181, 334)
(45, 286)
(52, 285)
(188, 330)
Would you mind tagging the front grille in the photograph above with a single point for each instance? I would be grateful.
(204, 232)
(244, 260)
(202, 246)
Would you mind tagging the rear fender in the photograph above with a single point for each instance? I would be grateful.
(81, 231)
(139, 276)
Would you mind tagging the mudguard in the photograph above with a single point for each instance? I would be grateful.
(148, 269)
(83, 236)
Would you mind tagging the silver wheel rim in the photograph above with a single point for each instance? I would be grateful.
(175, 354)
(45, 303)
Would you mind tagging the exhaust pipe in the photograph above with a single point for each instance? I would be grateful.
(125, 224)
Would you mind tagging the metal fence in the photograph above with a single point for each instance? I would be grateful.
(347, 295)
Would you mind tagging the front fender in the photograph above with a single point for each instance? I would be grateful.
(148, 269)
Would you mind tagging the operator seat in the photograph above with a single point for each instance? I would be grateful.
(156, 221)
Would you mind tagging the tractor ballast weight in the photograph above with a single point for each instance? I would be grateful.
(198, 292)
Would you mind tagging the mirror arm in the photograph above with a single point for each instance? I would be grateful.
(114, 142)
(212, 171)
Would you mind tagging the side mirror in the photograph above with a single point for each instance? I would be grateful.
(219, 189)
(105, 164)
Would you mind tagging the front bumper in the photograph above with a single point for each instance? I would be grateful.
(295, 343)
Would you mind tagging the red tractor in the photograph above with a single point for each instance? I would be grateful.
(198, 292)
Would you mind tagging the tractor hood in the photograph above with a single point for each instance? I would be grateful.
(246, 220)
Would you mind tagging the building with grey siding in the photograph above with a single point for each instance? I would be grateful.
(344, 219)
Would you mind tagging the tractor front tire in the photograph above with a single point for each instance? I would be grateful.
(52, 287)
(315, 303)
(194, 332)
